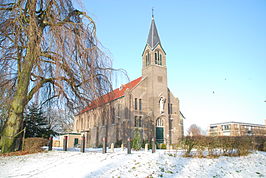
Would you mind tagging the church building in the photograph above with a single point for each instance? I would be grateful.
(145, 104)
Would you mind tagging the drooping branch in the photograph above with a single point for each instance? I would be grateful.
(49, 53)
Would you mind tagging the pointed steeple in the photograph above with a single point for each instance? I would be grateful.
(153, 38)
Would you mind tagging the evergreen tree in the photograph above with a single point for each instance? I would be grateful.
(136, 142)
(36, 123)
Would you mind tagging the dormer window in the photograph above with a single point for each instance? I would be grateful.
(148, 59)
(158, 58)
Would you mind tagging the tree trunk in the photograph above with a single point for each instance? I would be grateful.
(14, 122)
(10, 132)
(13, 125)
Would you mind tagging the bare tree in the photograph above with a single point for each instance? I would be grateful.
(194, 130)
(48, 50)
(60, 120)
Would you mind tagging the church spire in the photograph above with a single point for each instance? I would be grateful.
(153, 38)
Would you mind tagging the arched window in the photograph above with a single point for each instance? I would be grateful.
(140, 121)
(158, 58)
(136, 121)
(94, 120)
(89, 122)
(159, 122)
(81, 123)
(113, 115)
(148, 59)
(103, 117)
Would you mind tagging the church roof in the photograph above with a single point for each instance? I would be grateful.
(113, 95)
(153, 38)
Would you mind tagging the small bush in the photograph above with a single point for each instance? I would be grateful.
(35, 144)
(136, 142)
(163, 146)
(188, 143)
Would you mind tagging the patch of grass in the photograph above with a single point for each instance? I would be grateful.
(169, 172)
(173, 155)
(137, 163)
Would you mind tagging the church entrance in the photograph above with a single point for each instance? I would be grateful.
(159, 131)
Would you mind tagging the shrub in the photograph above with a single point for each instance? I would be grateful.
(200, 146)
(243, 145)
(188, 143)
(258, 143)
(163, 146)
(223, 145)
(35, 144)
(136, 142)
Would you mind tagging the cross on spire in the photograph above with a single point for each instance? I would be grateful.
(153, 37)
(152, 12)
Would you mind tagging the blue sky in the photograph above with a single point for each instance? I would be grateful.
(216, 52)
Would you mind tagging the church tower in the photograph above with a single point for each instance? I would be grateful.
(154, 71)
(153, 57)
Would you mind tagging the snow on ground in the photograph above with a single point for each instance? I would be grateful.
(138, 164)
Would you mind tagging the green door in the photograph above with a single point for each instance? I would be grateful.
(76, 141)
(159, 134)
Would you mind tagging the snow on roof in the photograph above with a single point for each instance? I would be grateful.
(113, 95)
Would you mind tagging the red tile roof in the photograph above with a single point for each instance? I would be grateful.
(115, 94)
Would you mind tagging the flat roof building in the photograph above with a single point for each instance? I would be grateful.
(236, 129)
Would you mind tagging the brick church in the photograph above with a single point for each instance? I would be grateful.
(145, 104)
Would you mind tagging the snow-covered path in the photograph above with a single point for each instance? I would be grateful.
(138, 164)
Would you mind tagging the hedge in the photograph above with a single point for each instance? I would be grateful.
(223, 145)
(34, 144)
